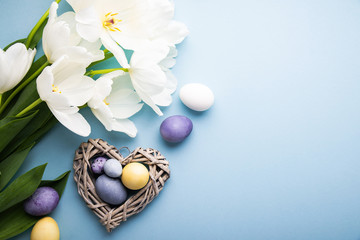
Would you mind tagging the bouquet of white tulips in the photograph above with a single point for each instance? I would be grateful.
(36, 95)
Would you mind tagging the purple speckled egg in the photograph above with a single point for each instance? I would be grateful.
(43, 201)
(98, 165)
(110, 190)
(176, 128)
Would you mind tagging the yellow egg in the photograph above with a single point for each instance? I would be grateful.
(45, 229)
(135, 176)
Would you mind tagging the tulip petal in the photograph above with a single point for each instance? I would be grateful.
(44, 83)
(163, 98)
(123, 111)
(64, 68)
(87, 15)
(123, 100)
(72, 120)
(125, 126)
(89, 32)
(169, 61)
(113, 47)
(171, 84)
(103, 87)
(103, 114)
(64, 87)
(78, 89)
(147, 99)
(175, 33)
(60, 38)
(53, 12)
(14, 64)
(69, 19)
(129, 41)
(78, 5)
(151, 80)
(111, 124)
(94, 49)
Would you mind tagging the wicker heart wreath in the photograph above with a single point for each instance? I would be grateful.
(111, 216)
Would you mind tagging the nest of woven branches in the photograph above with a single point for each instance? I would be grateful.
(111, 216)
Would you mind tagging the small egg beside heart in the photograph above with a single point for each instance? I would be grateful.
(45, 229)
(176, 128)
(113, 168)
(43, 201)
(196, 96)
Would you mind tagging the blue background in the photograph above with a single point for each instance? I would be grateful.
(277, 157)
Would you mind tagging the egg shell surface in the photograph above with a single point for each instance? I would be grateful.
(110, 190)
(42, 202)
(197, 96)
(45, 229)
(113, 168)
(97, 166)
(176, 128)
(135, 176)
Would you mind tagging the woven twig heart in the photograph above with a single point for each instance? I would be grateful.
(111, 216)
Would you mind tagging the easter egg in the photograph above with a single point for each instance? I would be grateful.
(43, 201)
(110, 190)
(97, 166)
(176, 128)
(196, 96)
(45, 229)
(135, 176)
(113, 168)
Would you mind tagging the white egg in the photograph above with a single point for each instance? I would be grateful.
(197, 96)
(113, 168)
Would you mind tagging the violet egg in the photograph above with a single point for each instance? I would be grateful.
(110, 190)
(176, 128)
(98, 165)
(43, 201)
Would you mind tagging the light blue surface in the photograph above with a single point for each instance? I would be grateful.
(277, 157)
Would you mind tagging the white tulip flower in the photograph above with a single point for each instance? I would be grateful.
(15, 62)
(160, 23)
(64, 87)
(151, 77)
(114, 101)
(164, 98)
(114, 22)
(61, 38)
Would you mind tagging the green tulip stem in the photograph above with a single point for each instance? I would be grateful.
(28, 108)
(22, 85)
(0, 99)
(103, 71)
(37, 26)
(83, 106)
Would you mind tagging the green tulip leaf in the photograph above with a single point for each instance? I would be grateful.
(58, 183)
(33, 127)
(11, 126)
(15, 220)
(27, 96)
(10, 165)
(21, 188)
(37, 135)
